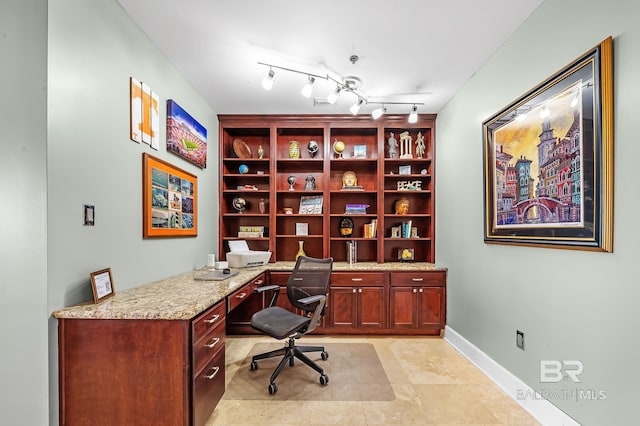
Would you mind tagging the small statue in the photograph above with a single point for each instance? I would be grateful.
(260, 152)
(402, 206)
(350, 180)
(393, 146)
(420, 146)
(310, 183)
(405, 145)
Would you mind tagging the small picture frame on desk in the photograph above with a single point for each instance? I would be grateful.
(102, 285)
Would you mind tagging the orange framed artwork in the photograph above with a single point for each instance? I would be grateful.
(169, 200)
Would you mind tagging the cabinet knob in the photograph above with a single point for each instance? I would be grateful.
(213, 319)
(354, 290)
(359, 290)
(421, 290)
(415, 290)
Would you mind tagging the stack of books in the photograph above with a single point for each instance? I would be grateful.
(356, 208)
(251, 232)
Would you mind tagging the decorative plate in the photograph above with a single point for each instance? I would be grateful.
(241, 149)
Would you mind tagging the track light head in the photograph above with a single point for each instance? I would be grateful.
(378, 112)
(333, 96)
(267, 83)
(413, 116)
(355, 108)
(308, 87)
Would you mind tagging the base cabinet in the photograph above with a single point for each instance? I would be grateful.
(142, 372)
(417, 301)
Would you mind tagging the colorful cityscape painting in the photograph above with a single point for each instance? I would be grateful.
(185, 136)
(538, 174)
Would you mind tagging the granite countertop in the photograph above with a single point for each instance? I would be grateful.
(182, 297)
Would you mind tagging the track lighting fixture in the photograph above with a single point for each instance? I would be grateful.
(267, 83)
(348, 84)
(413, 116)
(308, 87)
(378, 112)
(355, 108)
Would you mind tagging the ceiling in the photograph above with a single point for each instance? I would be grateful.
(419, 51)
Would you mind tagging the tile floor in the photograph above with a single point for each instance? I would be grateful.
(434, 385)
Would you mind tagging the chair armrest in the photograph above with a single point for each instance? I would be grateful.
(266, 288)
(312, 299)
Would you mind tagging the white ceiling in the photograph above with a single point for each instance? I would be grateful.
(409, 50)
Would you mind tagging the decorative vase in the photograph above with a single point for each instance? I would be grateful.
(294, 149)
(300, 250)
(262, 206)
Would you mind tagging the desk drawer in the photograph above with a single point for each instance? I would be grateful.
(208, 320)
(279, 278)
(204, 349)
(420, 279)
(208, 388)
(369, 279)
(239, 296)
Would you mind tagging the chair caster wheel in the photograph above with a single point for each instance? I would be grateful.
(253, 366)
(324, 355)
(273, 388)
(324, 379)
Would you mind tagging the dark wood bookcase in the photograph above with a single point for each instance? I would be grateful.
(383, 181)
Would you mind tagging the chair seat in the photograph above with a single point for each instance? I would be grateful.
(278, 322)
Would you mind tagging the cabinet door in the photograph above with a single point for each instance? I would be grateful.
(431, 307)
(403, 307)
(371, 312)
(342, 307)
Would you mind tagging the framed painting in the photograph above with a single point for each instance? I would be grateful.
(185, 136)
(169, 200)
(548, 160)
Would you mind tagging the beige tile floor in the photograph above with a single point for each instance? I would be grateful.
(434, 385)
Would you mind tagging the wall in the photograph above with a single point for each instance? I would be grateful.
(570, 304)
(94, 47)
(23, 171)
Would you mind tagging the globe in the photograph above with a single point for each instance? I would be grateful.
(239, 204)
(338, 147)
(243, 168)
(312, 147)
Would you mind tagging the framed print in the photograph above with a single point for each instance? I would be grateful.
(548, 160)
(169, 200)
(102, 285)
(185, 136)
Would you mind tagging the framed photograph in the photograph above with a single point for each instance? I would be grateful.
(360, 151)
(310, 204)
(302, 228)
(102, 285)
(404, 170)
(169, 200)
(185, 136)
(548, 160)
(406, 254)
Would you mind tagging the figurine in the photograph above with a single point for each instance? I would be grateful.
(350, 180)
(393, 146)
(402, 206)
(420, 146)
(310, 183)
(260, 152)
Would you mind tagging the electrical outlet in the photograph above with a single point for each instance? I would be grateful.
(520, 339)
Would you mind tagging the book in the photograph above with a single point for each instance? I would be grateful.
(249, 234)
(310, 204)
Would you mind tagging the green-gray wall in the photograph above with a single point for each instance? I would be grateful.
(572, 305)
(23, 219)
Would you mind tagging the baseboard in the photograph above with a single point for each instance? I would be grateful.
(542, 410)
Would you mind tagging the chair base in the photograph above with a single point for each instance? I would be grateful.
(288, 354)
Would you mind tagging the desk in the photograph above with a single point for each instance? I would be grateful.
(154, 354)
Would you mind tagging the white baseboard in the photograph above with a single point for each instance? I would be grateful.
(542, 410)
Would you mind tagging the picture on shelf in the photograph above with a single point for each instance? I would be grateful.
(406, 254)
(302, 229)
(404, 170)
(310, 204)
(360, 151)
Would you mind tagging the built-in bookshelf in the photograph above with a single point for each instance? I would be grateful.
(325, 172)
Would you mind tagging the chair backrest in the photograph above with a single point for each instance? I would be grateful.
(310, 277)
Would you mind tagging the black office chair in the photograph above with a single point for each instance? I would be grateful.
(307, 291)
